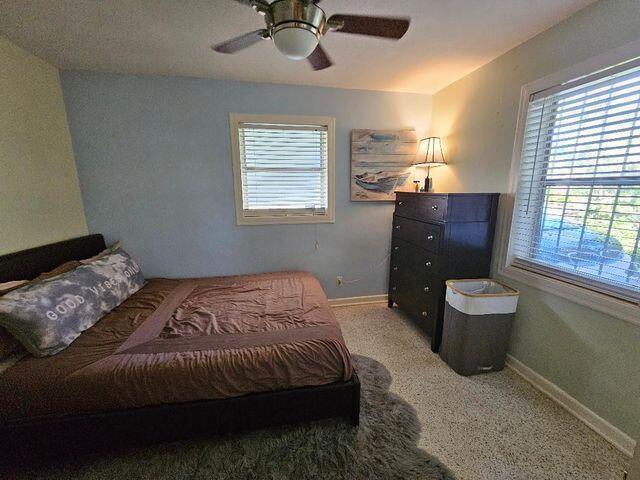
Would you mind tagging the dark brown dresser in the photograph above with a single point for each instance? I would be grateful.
(438, 237)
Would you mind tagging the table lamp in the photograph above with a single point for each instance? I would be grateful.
(429, 154)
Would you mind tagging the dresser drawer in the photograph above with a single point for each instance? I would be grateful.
(426, 289)
(405, 206)
(423, 310)
(431, 208)
(424, 235)
(409, 260)
(422, 206)
(422, 288)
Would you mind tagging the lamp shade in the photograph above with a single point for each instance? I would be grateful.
(430, 153)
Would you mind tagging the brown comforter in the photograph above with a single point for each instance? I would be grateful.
(185, 340)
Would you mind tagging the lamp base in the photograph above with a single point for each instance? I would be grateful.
(428, 184)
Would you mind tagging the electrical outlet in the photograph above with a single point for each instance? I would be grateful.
(339, 280)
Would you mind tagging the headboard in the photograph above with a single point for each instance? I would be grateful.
(28, 264)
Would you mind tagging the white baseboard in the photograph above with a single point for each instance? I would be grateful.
(343, 302)
(609, 432)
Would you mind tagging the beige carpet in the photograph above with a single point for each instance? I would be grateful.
(486, 427)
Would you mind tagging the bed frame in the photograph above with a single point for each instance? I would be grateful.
(163, 422)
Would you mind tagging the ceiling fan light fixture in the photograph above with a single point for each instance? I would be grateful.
(295, 26)
(295, 40)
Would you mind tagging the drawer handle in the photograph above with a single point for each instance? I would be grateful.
(400, 202)
(426, 289)
(434, 207)
(396, 248)
(393, 289)
(430, 237)
(424, 314)
(395, 269)
(397, 227)
(428, 264)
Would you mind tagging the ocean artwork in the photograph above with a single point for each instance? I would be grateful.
(381, 163)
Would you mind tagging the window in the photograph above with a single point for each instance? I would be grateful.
(283, 168)
(577, 208)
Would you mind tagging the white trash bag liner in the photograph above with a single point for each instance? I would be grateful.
(481, 296)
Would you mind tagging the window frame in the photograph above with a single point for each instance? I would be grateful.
(269, 218)
(549, 281)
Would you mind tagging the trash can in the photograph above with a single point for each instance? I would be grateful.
(477, 325)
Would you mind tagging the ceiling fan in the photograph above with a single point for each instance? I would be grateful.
(296, 26)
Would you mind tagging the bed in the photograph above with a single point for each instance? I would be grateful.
(180, 358)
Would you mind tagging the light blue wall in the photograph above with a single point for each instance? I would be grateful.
(154, 161)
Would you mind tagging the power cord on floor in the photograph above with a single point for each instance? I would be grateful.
(354, 280)
(371, 271)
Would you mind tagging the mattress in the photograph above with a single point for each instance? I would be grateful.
(187, 340)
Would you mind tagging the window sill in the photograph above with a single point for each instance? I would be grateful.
(600, 302)
(284, 220)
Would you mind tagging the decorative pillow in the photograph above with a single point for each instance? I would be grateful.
(47, 316)
(8, 344)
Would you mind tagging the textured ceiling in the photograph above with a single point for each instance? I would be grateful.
(447, 39)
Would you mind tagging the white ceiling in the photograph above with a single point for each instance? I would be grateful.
(447, 39)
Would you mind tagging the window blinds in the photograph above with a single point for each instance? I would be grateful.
(577, 210)
(284, 169)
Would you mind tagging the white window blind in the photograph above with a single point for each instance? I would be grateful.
(284, 169)
(577, 210)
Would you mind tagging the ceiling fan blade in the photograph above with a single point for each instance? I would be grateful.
(319, 59)
(387, 27)
(239, 43)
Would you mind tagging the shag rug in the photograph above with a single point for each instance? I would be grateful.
(384, 446)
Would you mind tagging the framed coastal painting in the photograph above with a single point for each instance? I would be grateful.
(381, 163)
